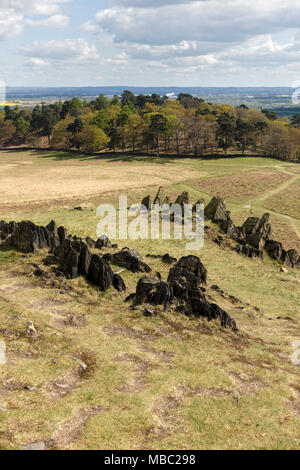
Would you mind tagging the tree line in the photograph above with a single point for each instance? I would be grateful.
(151, 124)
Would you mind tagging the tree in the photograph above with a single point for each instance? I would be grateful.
(295, 121)
(243, 134)
(277, 142)
(61, 137)
(270, 114)
(7, 132)
(101, 103)
(128, 98)
(22, 128)
(225, 131)
(135, 129)
(92, 138)
(158, 125)
(49, 119)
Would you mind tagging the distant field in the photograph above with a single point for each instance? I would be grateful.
(164, 382)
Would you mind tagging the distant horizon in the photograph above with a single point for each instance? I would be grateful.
(150, 86)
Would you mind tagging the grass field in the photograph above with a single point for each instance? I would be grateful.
(165, 382)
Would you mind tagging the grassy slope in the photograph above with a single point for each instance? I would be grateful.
(164, 382)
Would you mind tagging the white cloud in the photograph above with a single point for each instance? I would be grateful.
(15, 14)
(36, 62)
(188, 36)
(57, 21)
(75, 51)
(211, 22)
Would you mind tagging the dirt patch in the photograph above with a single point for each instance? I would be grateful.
(141, 368)
(70, 430)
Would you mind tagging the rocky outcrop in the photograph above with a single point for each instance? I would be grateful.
(100, 273)
(167, 259)
(249, 251)
(103, 242)
(183, 199)
(129, 259)
(189, 272)
(183, 289)
(274, 249)
(216, 210)
(29, 238)
(118, 283)
(147, 202)
(257, 231)
(153, 291)
(159, 196)
(290, 258)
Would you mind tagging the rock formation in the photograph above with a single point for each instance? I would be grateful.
(129, 259)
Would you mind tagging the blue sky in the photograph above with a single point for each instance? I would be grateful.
(149, 42)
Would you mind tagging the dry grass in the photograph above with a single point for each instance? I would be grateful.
(43, 179)
(245, 185)
(287, 201)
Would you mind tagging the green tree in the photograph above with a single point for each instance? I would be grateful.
(22, 128)
(158, 125)
(7, 132)
(92, 139)
(225, 131)
(243, 134)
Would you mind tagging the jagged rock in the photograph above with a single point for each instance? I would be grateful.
(167, 259)
(153, 291)
(216, 210)
(159, 196)
(103, 242)
(198, 203)
(251, 225)
(100, 273)
(28, 237)
(118, 283)
(85, 259)
(68, 256)
(90, 242)
(129, 259)
(52, 227)
(7, 228)
(249, 251)
(166, 201)
(200, 307)
(189, 272)
(274, 249)
(227, 226)
(147, 202)
(182, 199)
(257, 231)
(290, 258)
(62, 233)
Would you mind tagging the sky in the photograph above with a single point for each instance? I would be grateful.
(150, 42)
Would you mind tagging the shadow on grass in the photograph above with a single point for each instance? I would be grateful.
(128, 157)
